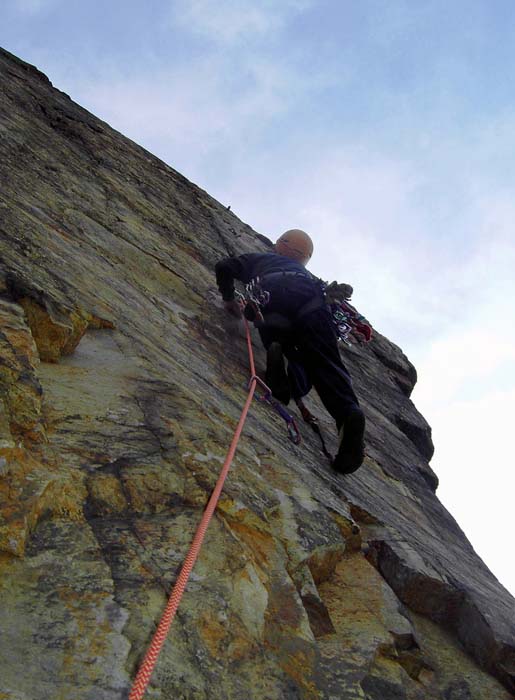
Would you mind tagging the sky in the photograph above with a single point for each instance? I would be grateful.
(384, 129)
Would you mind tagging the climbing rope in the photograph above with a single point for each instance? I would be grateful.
(147, 666)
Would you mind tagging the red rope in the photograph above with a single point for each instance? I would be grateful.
(147, 666)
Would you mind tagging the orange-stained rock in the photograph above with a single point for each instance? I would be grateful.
(20, 389)
(54, 335)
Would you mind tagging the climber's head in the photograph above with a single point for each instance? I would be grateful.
(296, 245)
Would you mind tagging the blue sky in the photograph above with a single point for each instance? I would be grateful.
(385, 129)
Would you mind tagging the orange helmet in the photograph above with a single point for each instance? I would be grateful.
(296, 245)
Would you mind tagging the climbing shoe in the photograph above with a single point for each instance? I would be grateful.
(276, 376)
(351, 451)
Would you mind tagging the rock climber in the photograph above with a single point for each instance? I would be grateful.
(298, 324)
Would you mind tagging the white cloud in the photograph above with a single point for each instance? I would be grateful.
(476, 468)
(189, 114)
(229, 21)
(184, 115)
(466, 391)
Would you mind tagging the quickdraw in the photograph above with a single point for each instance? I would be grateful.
(291, 424)
(255, 293)
(343, 327)
(348, 320)
(253, 299)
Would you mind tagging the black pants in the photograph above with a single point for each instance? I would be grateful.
(311, 345)
(300, 384)
(317, 345)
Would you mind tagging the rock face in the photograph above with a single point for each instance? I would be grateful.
(121, 381)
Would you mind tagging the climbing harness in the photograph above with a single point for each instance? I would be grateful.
(346, 318)
(150, 659)
(255, 297)
(255, 293)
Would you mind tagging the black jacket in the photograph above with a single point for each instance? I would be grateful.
(251, 265)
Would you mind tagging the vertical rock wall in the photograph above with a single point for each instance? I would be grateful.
(121, 381)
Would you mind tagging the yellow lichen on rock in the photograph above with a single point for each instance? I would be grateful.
(63, 497)
(55, 334)
(324, 560)
(350, 531)
(225, 637)
(31, 491)
(453, 669)
(20, 389)
(251, 530)
(6, 438)
(355, 600)
(106, 494)
(18, 499)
